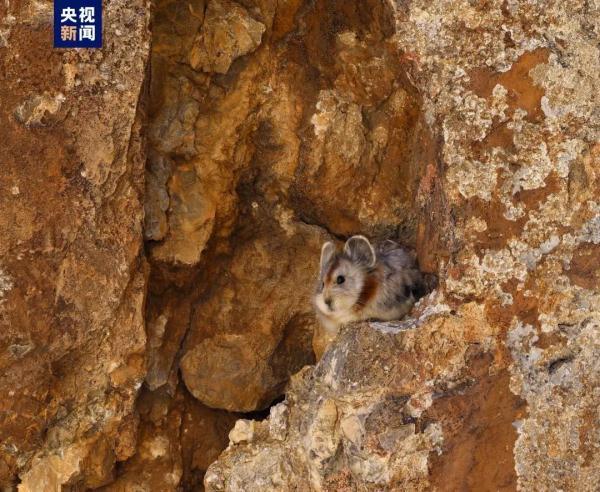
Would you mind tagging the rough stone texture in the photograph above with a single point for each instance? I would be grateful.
(367, 418)
(72, 273)
(259, 151)
(227, 33)
(467, 129)
(264, 309)
(516, 100)
(178, 439)
(494, 381)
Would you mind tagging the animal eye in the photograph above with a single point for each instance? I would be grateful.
(340, 279)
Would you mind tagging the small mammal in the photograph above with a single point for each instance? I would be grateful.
(364, 282)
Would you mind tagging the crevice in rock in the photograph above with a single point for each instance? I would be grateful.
(558, 363)
(260, 415)
(255, 158)
(467, 131)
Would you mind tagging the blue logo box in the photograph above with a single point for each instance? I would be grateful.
(78, 23)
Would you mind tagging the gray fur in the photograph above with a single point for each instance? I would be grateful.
(359, 250)
(380, 283)
(328, 252)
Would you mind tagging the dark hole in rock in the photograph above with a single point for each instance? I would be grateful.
(558, 363)
(263, 414)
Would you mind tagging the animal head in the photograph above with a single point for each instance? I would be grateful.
(344, 277)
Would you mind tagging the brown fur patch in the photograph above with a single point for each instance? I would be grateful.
(367, 293)
(332, 268)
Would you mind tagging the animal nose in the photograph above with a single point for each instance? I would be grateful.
(328, 302)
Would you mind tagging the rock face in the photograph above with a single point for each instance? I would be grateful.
(227, 33)
(259, 150)
(72, 272)
(493, 381)
(163, 210)
(367, 418)
(261, 310)
(178, 438)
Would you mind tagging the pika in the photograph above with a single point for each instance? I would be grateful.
(364, 282)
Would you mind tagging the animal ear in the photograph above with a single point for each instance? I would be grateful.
(327, 254)
(359, 250)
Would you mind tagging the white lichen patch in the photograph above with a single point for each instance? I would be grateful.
(569, 151)
(531, 256)
(325, 110)
(570, 80)
(33, 111)
(6, 284)
(6, 25)
(590, 232)
(473, 178)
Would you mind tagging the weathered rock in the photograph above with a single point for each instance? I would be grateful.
(156, 204)
(500, 389)
(72, 273)
(253, 329)
(89, 464)
(178, 439)
(468, 130)
(228, 32)
(35, 110)
(249, 168)
(365, 418)
(167, 321)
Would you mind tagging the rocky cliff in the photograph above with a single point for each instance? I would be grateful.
(163, 204)
(72, 274)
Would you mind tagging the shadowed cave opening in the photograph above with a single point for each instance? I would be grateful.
(270, 129)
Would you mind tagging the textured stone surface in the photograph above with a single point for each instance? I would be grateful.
(467, 129)
(228, 32)
(254, 327)
(505, 370)
(526, 77)
(72, 273)
(178, 439)
(381, 410)
(251, 168)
